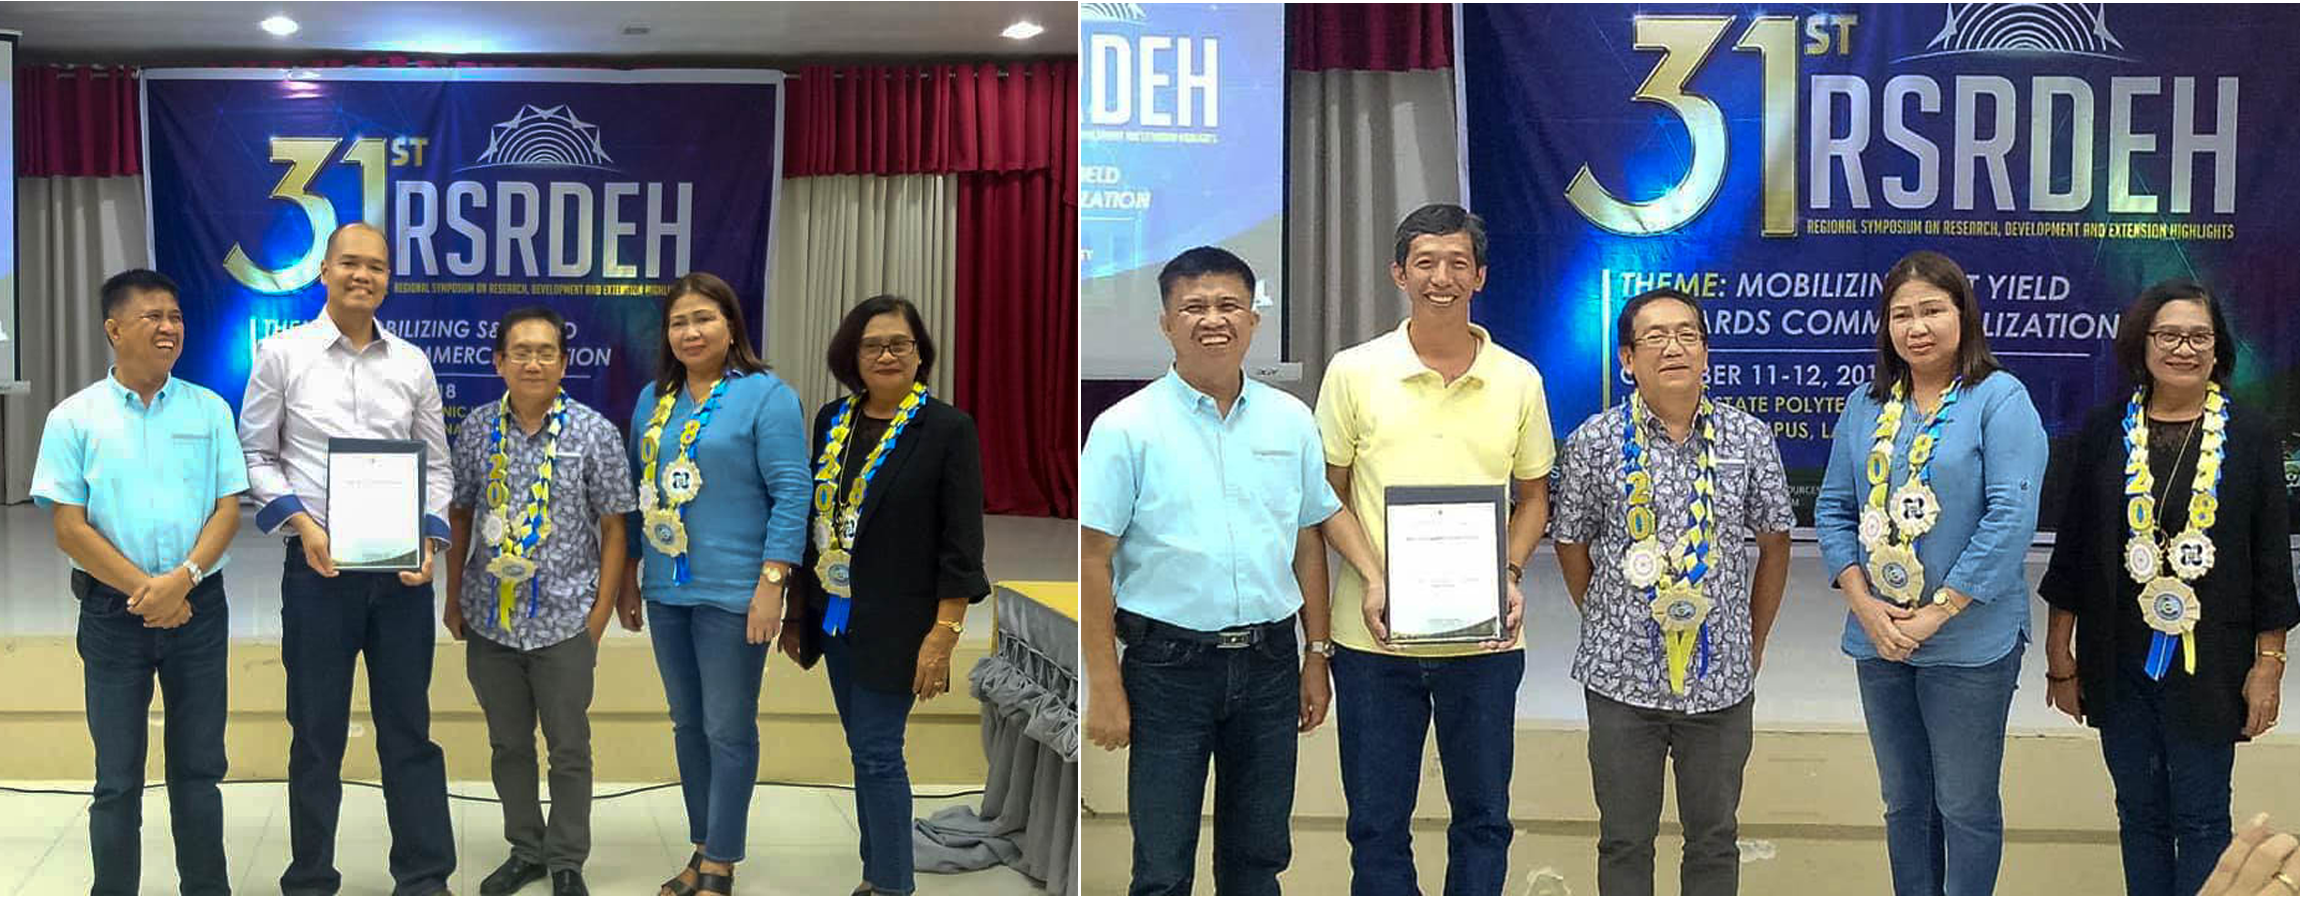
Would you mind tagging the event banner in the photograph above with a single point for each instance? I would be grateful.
(1774, 162)
(1181, 143)
(584, 191)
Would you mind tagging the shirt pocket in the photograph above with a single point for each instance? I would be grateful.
(570, 494)
(1731, 481)
(192, 456)
(1276, 479)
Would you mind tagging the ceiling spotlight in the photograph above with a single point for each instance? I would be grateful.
(279, 26)
(1022, 31)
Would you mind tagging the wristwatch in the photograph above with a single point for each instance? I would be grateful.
(772, 573)
(1941, 599)
(197, 575)
(1322, 648)
(958, 627)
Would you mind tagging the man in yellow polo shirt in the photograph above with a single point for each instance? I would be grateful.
(1435, 402)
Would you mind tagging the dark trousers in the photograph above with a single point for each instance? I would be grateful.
(1191, 703)
(711, 678)
(516, 688)
(1383, 707)
(1708, 751)
(1938, 733)
(875, 721)
(327, 624)
(121, 656)
(2172, 790)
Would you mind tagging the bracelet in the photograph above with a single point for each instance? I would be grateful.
(2056, 679)
(197, 575)
(2277, 655)
(1516, 572)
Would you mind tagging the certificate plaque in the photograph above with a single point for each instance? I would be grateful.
(1444, 557)
(375, 504)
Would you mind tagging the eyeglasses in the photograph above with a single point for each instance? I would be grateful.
(898, 347)
(546, 356)
(1660, 340)
(2168, 340)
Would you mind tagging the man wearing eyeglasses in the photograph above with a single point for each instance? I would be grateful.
(142, 473)
(1657, 499)
(546, 480)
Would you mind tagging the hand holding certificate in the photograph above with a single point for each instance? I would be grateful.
(375, 505)
(1445, 564)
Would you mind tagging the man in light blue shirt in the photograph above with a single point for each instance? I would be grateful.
(1204, 498)
(143, 474)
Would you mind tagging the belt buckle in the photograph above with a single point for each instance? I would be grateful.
(1234, 639)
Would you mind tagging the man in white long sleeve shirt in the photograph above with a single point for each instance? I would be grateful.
(341, 375)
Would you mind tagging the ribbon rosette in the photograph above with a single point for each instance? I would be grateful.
(2192, 555)
(511, 568)
(491, 529)
(2140, 559)
(1897, 574)
(1641, 565)
(1679, 610)
(1914, 508)
(1874, 526)
(666, 532)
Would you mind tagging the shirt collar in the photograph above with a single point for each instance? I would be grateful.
(1654, 425)
(1196, 399)
(112, 375)
(1405, 365)
(333, 336)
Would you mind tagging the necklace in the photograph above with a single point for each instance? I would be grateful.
(2168, 602)
(1671, 583)
(514, 561)
(664, 519)
(1890, 533)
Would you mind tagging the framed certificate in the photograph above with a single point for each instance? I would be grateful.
(1444, 557)
(375, 504)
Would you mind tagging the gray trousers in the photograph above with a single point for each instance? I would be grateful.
(1708, 751)
(515, 689)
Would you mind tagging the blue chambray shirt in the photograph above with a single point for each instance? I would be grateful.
(1987, 471)
(1205, 508)
(150, 476)
(756, 491)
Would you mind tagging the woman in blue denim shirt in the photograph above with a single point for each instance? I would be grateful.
(1924, 523)
(723, 490)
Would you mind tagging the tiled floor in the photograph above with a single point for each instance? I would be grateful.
(802, 841)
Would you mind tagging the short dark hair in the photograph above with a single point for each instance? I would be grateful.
(1974, 361)
(1441, 219)
(2132, 330)
(1628, 318)
(329, 253)
(845, 353)
(118, 288)
(669, 371)
(1199, 262)
(530, 314)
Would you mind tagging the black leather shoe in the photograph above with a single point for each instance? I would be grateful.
(569, 883)
(515, 873)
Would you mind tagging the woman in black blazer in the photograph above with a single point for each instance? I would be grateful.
(2218, 585)
(894, 555)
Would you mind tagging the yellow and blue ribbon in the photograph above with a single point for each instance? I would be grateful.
(827, 472)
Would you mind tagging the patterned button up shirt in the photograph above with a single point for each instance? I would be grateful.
(592, 478)
(1620, 655)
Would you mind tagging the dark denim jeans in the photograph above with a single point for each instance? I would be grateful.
(121, 656)
(326, 624)
(711, 677)
(1938, 733)
(874, 722)
(1191, 703)
(2172, 790)
(1383, 706)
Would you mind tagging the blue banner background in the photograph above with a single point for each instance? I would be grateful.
(1547, 90)
(210, 172)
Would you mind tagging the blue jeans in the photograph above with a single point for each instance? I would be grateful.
(874, 722)
(121, 657)
(326, 624)
(711, 676)
(2172, 790)
(1239, 708)
(1938, 733)
(1383, 706)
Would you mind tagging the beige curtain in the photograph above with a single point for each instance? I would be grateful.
(72, 233)
(1365, 148)
(842, 238)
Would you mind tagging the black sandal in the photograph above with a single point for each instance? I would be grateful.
(722, 884)
(678, 889)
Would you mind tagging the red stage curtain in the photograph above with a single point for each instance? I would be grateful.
(1380, 37)
(77, 122)
(901, 120)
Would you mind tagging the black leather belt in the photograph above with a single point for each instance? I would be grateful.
(1134, 628)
